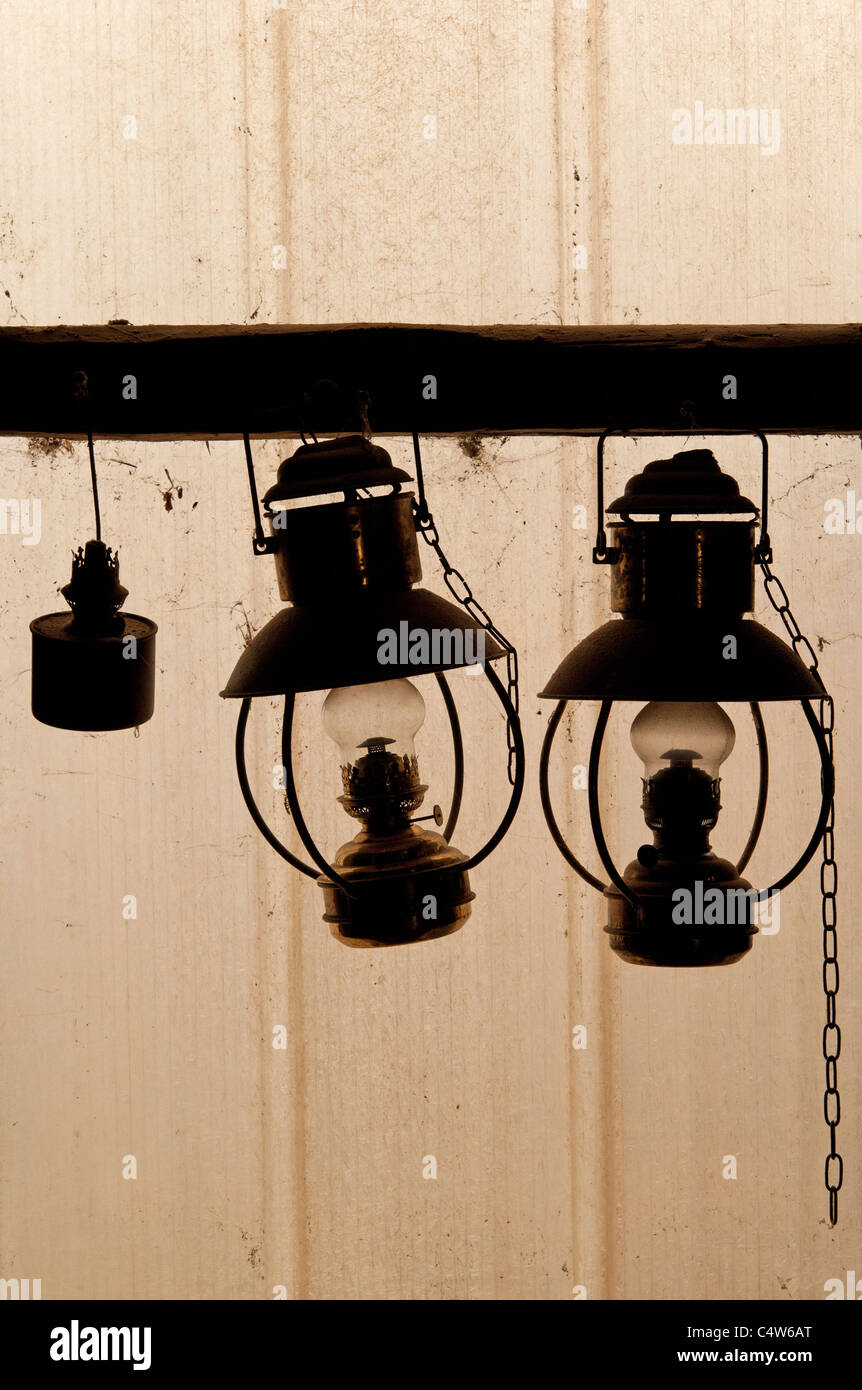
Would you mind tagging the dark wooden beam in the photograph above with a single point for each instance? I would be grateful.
(171, 382)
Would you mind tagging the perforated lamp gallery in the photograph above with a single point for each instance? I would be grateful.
(359, 629)
(682, 558)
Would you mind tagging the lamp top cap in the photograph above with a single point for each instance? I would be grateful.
(334, 465)
(690, 481)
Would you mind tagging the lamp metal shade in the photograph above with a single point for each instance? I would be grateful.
(646, 659)
(320, 646)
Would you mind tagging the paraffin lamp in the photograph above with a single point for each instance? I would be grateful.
(682, 580)
(358, 628)
(94, 668)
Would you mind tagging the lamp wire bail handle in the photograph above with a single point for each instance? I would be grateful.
(259, 545)
(423, 515)
(763, 550)
(600, 549)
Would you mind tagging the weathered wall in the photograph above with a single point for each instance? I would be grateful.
(418, 162)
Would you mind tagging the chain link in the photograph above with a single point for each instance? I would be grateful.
(463, 594)
(834, 1168)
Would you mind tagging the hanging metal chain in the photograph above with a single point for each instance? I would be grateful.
(463, 594)
(834, 1169)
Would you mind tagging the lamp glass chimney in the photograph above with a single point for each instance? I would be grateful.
(673, 733)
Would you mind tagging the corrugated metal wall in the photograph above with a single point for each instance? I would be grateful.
(416, 162)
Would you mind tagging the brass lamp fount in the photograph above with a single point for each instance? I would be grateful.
(414, 870)
(681, 801)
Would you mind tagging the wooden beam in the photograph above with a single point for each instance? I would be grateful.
(209, 382)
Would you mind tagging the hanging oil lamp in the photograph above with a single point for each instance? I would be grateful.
(93, 666)
(682, 556)
(357, 627)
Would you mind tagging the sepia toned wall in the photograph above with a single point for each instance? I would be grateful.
(412, 162)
